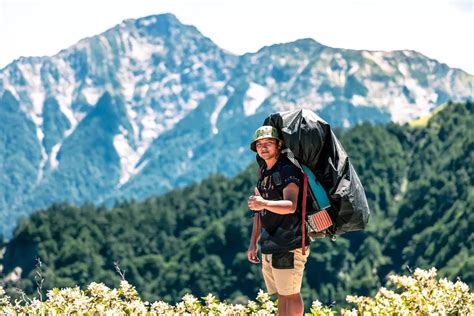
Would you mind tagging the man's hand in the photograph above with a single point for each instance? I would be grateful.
(256, 202)
(252, 253)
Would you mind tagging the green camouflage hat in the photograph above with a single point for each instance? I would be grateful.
(265, 131)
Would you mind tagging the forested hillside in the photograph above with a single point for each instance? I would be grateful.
(419, 183)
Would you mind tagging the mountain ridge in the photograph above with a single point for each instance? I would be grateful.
(168, 76)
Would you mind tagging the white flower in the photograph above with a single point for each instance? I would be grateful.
(263, 296)
(317, 305)
(128, 289)
(222, 309)
(113, 312)
(239, 308)
(263, 312)
(189, 299)
(352, 312)
(463, 287)
(98, 289)
(269, 306)
(137, 307)
(161, 307)
(210, 299)
(425, 274)
(252, 305)
(180, 307)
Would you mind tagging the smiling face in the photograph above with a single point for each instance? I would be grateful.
(267, 148)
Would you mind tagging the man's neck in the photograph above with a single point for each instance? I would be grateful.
(271, 162)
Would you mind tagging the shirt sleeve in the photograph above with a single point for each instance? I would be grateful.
(290, 174)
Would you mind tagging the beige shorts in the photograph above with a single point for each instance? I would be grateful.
(284, 281)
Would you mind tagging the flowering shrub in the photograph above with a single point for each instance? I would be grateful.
(423, 295)
(98, 299)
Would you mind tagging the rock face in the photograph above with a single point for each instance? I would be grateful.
(152, 104)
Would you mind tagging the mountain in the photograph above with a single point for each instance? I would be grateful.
(152, 104)
(419, 186)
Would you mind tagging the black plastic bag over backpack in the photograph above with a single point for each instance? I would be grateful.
(314, 144)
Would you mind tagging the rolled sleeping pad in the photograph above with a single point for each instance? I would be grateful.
(320, 220)
(317, 189)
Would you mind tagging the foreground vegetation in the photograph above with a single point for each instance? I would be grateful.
(422, 294)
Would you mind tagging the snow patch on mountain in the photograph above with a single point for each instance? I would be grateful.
(44, 155)
(346, 123)
(424, 101)
(64, 90)
(126, 79)
(92, 94)
(403, 69)
(401, 111)
(216, 87)
(193, 102)
(31, 73)
(6, 85)
(297, 74)
(254, 97)
(53, 159)
(128, 156)
(221, 102)
(378, 59)
(132, 118)
(337, 76)
(147, 21)
(353, 68)
(313, 101)
(358, 100)
(141, 50)
(150, 128)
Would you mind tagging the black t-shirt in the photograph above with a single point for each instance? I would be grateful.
(280, 233)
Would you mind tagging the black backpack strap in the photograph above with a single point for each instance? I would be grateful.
(260, 175)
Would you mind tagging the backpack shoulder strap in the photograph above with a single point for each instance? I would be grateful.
(303, 214)
(260, 172)
(260, 175)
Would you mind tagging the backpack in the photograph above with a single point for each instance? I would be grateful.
(330, 184)
(317, 209)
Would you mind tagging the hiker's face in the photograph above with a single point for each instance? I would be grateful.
(267, 148)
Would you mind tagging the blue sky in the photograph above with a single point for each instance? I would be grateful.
(439, 29)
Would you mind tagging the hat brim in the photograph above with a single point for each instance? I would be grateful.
(253, 144)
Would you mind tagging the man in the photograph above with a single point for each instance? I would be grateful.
(278, 212)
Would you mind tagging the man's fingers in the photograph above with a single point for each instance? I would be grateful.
(255, 260)
(252, 257)
(257, 192)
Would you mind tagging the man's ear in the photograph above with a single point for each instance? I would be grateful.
(280, 144)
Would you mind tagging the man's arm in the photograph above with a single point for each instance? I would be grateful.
(254, 238)
(252, 252)
(286, 206)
